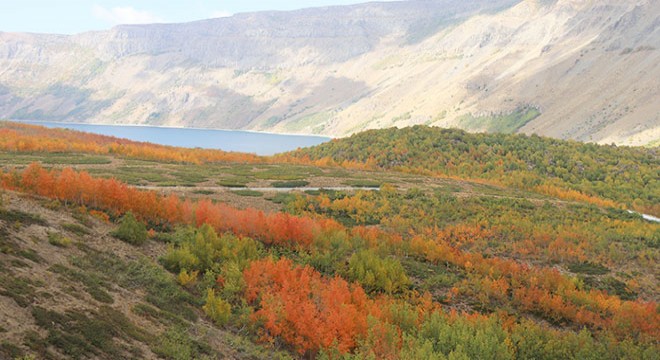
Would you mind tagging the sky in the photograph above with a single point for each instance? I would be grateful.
(75, 16)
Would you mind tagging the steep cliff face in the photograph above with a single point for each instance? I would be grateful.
(267, 40)
(577, 69)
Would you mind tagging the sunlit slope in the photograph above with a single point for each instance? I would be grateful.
(568, 69)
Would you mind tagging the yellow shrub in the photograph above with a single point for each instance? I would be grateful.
(187, 279)
(216, 308)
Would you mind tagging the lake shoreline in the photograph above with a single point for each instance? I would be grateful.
(242, 141)
(37, 122)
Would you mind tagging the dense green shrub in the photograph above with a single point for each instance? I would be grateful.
(131, 230)
(376, 273)
(216, 308)
(200, 249)
(290, 183)
(247, 192)
(176, 344)
(588, 268)
(238, 182)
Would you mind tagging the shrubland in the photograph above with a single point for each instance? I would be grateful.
(598, 174)
(559, 270)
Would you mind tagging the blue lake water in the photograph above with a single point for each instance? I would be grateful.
(227, 140)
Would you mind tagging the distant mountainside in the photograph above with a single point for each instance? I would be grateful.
(580, 69)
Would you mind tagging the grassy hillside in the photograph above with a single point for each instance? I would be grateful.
(624, 175)
(69, 290)
(109, 254)
(507, 123)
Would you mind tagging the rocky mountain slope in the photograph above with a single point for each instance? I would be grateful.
(577, 69)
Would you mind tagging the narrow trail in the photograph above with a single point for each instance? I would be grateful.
(462, 194)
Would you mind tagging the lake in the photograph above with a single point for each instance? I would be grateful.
(259, 143)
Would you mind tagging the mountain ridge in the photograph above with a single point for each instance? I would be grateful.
(587, 69)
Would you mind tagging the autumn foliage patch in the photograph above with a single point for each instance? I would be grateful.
(313, 313)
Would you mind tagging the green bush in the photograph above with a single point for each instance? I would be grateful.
(177, 344)
(58, 239)
(282, 198)
(376, 273)
(216, 308)
(201, 248)
(203, 192)
(131, 230)
(363, 183)
(238, 182)
(290, 184)
(251, 193)
(588, 268)
(234, 283)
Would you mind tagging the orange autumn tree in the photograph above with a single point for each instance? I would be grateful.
(305, 310)
(117, 198)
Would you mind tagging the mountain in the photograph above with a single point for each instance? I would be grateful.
(578, 69)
